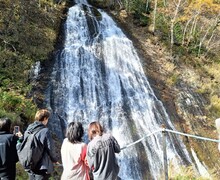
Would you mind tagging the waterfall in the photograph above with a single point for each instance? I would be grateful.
(98, 76)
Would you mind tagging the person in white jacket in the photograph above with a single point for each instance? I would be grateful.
(73, 154)
(101, 153)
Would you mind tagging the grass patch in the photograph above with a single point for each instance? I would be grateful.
(20, 172)
(215, 105)
(186, 173)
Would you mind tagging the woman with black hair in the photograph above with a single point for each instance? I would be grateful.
(73, 154)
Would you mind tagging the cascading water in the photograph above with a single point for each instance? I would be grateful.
(98, 76)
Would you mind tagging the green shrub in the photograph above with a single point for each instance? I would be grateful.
(173, 79)
(163, 26)
(178, 33)
(17, 104)
(10, 115)
(139, 12)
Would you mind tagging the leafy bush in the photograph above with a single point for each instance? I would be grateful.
(163, 26)
(17, 104)
(178, 33)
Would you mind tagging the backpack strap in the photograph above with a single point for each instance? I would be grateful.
(34, 131)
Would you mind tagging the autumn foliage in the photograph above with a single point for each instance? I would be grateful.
(190, 24)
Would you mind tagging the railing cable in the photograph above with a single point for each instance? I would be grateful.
(172, 131)
(135, 142)
(194, 136)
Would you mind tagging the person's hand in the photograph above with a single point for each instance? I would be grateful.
(86, 162)
(19, 134)
(57, 164)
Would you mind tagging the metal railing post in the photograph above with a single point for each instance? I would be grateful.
(165, 152)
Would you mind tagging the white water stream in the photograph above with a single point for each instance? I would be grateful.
(98, 76)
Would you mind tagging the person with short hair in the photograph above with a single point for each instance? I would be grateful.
(101, 153)
(73, 154)
(8, 152)
(49, 157)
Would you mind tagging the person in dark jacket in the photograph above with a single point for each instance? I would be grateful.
(8, 152)
(45, 166)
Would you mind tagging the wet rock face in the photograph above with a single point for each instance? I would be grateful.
(190, 106)
(105, 4)
(100, 4)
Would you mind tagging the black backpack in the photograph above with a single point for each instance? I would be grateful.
(30, 151)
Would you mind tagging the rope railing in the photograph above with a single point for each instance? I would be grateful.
(164, 132)
(194, 136)
(141, 139)
(171, 131)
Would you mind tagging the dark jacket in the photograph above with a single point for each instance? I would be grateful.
(8, 155)
(49, 155)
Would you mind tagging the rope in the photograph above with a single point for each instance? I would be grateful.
(131, 144)
(194, 136)
(172, 131)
